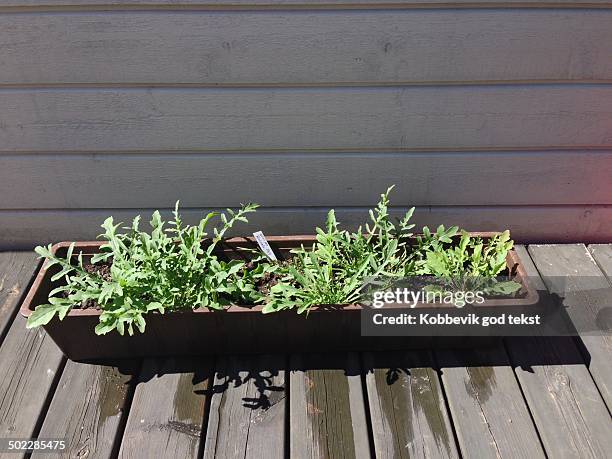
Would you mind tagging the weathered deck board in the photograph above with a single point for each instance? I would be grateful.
(29, 366)
(167, 412)
(29, 360)
(486, 405)
(88, 409)
(327, 407)
(568, 410)
(407, 409)
(570, 415)
(570, 272)
(602, 254)
(16, 271)
(247, 411)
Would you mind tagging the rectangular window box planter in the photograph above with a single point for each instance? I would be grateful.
(239, 329)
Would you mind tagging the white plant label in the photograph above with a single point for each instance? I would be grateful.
(263, 245)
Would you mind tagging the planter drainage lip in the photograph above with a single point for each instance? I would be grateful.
(237, 329)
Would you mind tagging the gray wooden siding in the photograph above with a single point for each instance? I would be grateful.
(486, 114)
(306, 47)
(352, 179)
(190, 5)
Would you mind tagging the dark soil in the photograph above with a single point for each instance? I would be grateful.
(103, 271)
(88, 304)
(268, 281)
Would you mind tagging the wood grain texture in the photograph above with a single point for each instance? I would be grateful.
(247, 411)
(167, 411)
(486, 405)
(308, 118)
(602, 254)
(570, 272)
(407, 409)
(305, 179)
(570, 415)
(106, 5)
(25, 229)
(29, 366)
(305, 47)
(88, 408)
(16, 271)
(327, 411)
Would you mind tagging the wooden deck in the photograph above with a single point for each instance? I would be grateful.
(526, 398)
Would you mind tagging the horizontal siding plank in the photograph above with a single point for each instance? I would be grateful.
(43, 5)
(326, 47)
(527, 224)
(306, 118)
(304, 179)
(307, 179)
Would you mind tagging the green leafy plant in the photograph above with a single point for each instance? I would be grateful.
(336, 267)
(175, 267)
(469, 264)
(172, 268)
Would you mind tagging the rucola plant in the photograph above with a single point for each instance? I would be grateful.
(336, 267)
(340, 264)
(169, 269)
(466, 264)
(175, 267)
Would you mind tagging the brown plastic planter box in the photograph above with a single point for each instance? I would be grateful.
(237, 329)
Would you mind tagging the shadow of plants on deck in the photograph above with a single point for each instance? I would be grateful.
(266, 386)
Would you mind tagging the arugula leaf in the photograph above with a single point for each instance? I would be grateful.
(44, 313)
